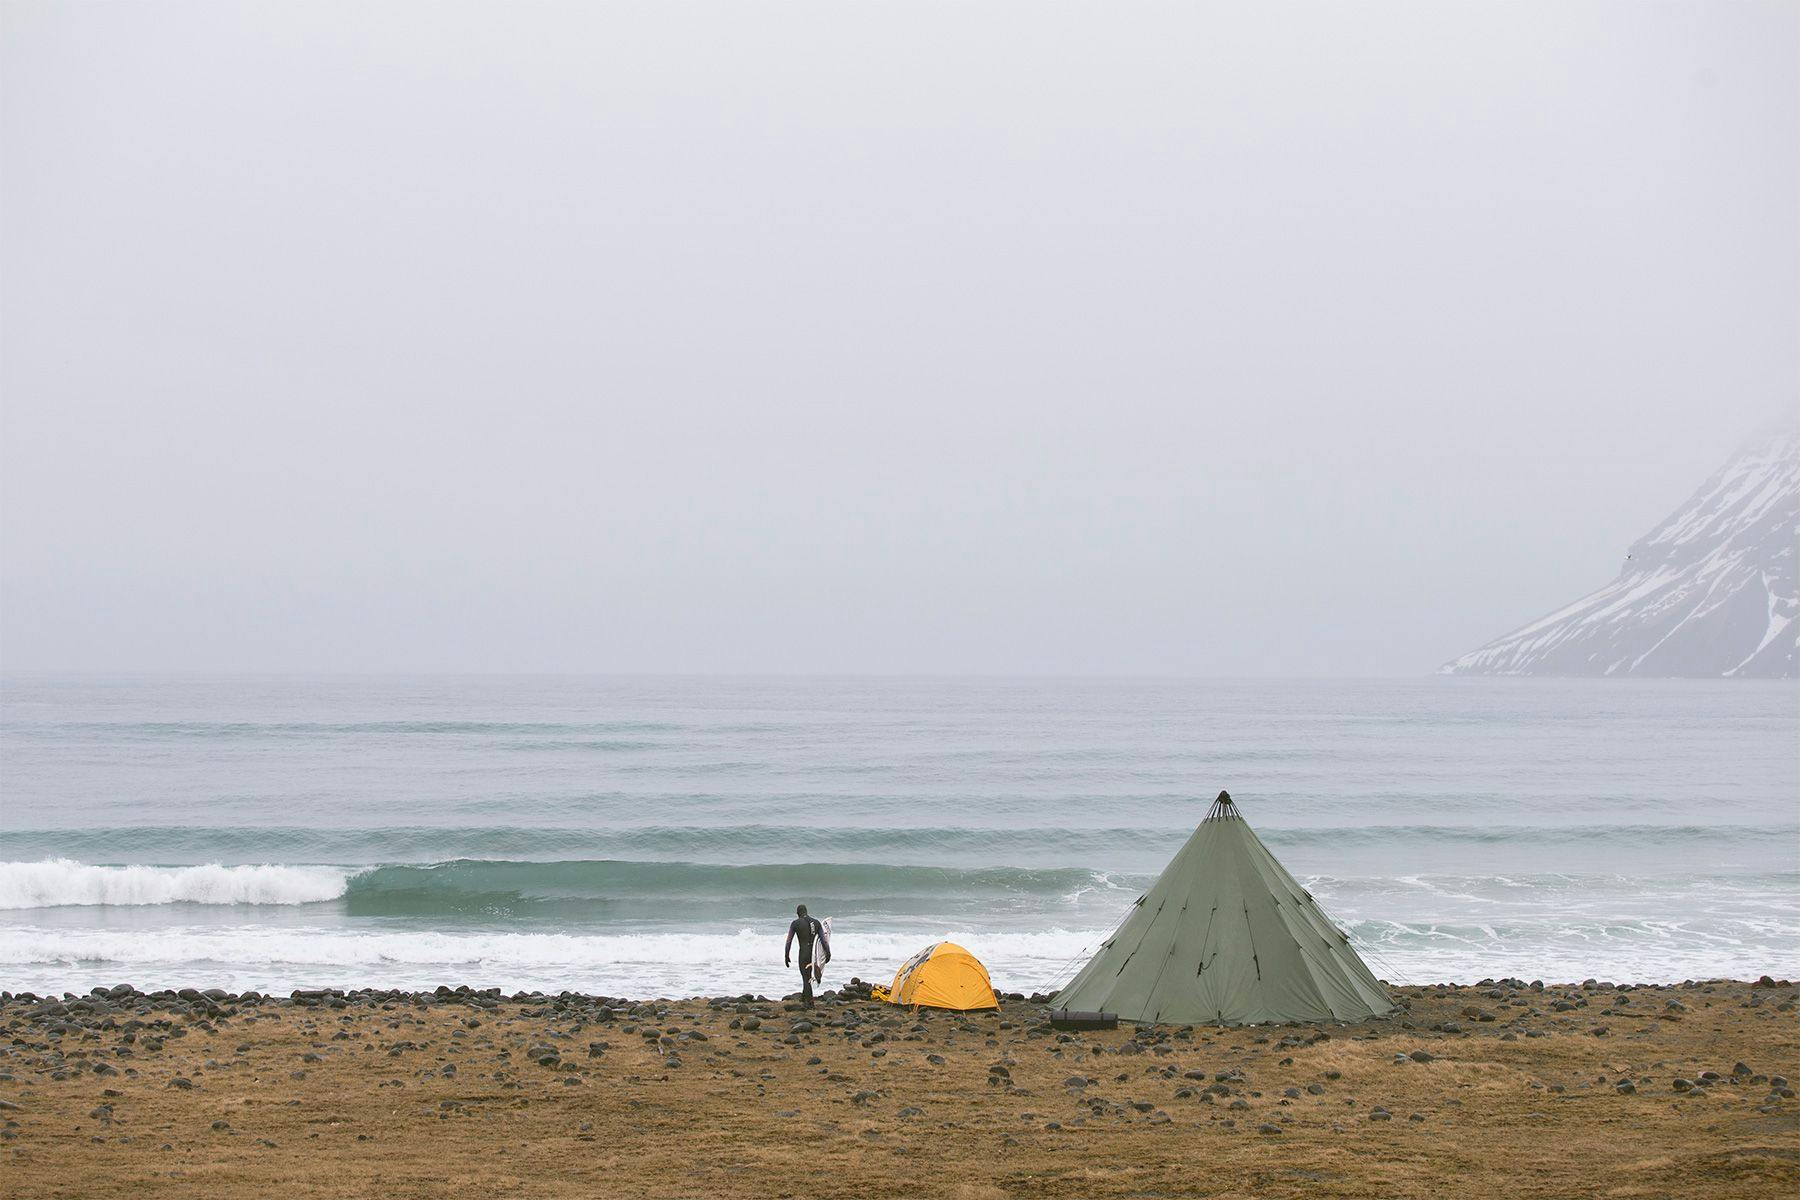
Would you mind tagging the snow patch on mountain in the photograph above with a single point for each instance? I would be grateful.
(1712, 591)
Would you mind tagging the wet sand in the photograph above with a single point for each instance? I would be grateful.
(1475, 1091)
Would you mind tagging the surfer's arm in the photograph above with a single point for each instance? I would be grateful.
(787, 949)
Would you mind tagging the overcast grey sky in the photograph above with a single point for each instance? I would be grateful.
(1113, 338)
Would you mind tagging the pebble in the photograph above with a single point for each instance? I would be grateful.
(78, 1021)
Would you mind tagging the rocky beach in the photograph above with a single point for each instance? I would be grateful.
(1503, 1088)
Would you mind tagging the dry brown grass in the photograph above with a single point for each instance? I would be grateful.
(745, 1115)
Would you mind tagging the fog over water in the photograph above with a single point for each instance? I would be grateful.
(1276, 340)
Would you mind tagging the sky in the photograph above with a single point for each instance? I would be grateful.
(1010, 338)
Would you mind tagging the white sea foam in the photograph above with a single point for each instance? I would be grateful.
(59, 881)
(712, 963)
(670, 964)
(1098, 881)
(1458, 831)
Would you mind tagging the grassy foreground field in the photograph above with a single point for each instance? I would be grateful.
(1506, 1089)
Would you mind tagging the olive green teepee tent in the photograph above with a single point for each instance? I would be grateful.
(1226, 936)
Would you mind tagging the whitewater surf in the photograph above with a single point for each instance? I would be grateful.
(650, 836)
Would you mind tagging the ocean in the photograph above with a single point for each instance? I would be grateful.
(650, 836)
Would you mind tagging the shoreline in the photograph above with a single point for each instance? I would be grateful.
(855, 989)
(1559, 1090)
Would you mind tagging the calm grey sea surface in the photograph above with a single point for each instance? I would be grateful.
(650, 836)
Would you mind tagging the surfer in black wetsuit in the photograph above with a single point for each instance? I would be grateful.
(808, 930)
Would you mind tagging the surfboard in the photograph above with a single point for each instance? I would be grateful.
(818, 971)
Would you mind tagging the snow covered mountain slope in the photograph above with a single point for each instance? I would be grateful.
(1712, 591)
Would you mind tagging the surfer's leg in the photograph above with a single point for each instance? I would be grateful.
(806, 982)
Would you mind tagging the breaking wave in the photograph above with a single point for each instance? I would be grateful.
(470, 887)
(59, 882)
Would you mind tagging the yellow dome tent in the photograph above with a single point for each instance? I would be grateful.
(942, 975)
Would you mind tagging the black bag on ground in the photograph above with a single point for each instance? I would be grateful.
(1062, 1018)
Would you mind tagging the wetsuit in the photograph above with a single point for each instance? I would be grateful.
(807, 929)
